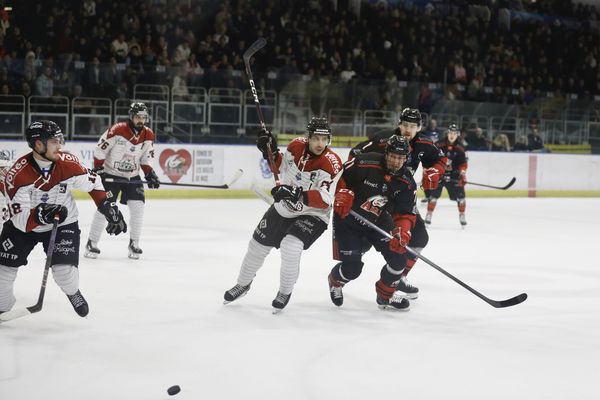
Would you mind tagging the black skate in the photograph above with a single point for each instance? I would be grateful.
(134, 250)
(79, 304)
(91, 251)
(410, 292)
(335, 291)
(280, 302)
(397, 302)
(235, 293)
(428, 218)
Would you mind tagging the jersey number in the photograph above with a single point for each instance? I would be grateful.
(103, 144)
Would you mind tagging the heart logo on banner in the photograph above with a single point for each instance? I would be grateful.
(175, 164)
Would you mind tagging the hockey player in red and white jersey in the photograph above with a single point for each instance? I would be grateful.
(5, 164)
(300, 214)
(122, 151)
(37, 188)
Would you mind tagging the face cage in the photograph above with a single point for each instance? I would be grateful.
(143, 114)
(401, 165)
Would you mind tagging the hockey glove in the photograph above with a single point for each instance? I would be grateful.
(342, 204)
(116, 222)
(462, 179)
(431, 178)
(265, 141)
(44, 213)
(400, 239)
(286, 192)
(152, 180)
(99, 171)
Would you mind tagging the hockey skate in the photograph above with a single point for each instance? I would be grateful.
(235, 293)
(134, 250)
(91, 250)
(280, 302)
(428, 218)
(335, 291)
(79, 304)
(462, 219)
(397, 302)
(409, 291)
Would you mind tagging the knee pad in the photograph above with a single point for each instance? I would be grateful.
(66, 277)
(390, 274)
(349, 270)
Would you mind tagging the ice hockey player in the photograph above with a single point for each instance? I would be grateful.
(121, 152)
(302, 206)
(422, 151)
(5, 164)
(381, 189)
(455, 176)
(38, 189)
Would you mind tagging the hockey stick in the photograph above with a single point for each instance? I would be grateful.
(261, 194)
(509, 184)
(256, 46)
(37, 307)
(234, 179)
(495, 303)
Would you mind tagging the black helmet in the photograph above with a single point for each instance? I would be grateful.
(397, 144)
(318, 126)
(411, 115)
(454, 127)
(42, 130)
(138, 108)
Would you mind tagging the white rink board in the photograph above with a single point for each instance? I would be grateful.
(216, 164)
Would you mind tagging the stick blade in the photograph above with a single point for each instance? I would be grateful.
(512, 181)
(256, 46)
(510, 302)
(14, 314)
(237, 175)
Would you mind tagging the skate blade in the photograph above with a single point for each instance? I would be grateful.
(134, 256)
(392, 308)
(93, 256)
(277, 310)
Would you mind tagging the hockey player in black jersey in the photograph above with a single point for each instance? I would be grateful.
(380, 188)
(455, 177)
(423, 151)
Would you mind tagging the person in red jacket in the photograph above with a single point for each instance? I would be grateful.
(455, 176)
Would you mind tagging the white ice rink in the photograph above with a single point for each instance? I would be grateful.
(160, 321)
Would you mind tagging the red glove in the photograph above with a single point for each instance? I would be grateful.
(342, 204)
(400, 239)
(431, 178)
(462, 179)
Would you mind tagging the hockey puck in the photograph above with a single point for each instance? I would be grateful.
(173, 390)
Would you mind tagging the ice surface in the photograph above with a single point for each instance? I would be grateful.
(160, 321)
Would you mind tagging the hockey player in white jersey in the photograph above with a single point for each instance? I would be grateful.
(37, 187)
(122, 151)
(310, 171)
(4, 166)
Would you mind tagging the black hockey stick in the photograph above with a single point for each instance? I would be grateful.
(37, 307)
(495, 303)
(236, 176)
(509, 184)
(256, 46)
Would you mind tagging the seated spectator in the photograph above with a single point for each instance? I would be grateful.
(44, 84)
(521, 144)
(501, 143)
(536, 143)
(476, 141)
(432, 132)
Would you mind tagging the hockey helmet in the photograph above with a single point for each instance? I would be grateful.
(139, 109)
(397, 144)
(411, 115)
(43, 130)
(318, 126)
(453, 128)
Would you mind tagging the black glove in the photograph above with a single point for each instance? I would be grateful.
(116, 223)
(99, 171)
(265, 141)
(44, 213)
(286, 192)
(152, 180)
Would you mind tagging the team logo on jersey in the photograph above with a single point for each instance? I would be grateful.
(299, 176)
(7, 245)
(175, 164)
(44, 198)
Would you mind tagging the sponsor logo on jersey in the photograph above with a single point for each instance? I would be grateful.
(372, 184)
(10, 176)
(175, 164)
(7, 245)
(335, 162)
